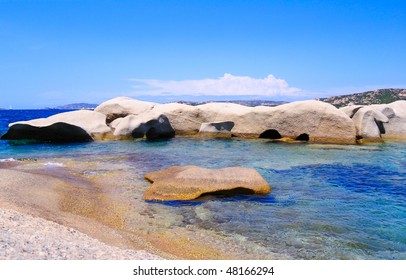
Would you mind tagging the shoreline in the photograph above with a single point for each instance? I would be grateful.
(82, 205)
(98, 190)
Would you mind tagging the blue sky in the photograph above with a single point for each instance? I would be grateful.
(58, 52)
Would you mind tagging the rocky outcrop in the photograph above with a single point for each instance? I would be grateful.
(123, 106)
(75, 126)
(321, 122)
(57, 132)
(378, 122)
(369, 123)
(395, 128)
(191, 182)
(313, 121)
(216, 129)
(185, 119)
(351, 109)
(147, 125)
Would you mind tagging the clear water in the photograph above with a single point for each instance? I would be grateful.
(327, 201)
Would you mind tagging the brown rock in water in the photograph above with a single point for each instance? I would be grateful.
(190, 182)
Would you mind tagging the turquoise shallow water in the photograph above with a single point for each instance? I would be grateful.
(327, 201)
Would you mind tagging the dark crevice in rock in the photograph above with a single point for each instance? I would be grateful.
(303, 137)
(355, 111)
(227, 193)
(270, 134)
(111, 117)
(380, 126)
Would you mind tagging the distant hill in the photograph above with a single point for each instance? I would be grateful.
(380, 96)
(76, 106)
(250, 103)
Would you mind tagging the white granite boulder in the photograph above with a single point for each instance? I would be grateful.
(216, 129)
(395, 128)
(380, 121)
(350, 110)
(74, 126)
(123, 106)
(315, 121)
(368, 123)
(185, 119)
(149, 125)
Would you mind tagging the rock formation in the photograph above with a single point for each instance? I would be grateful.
(395, 128)
(75, 126)
(147, 125)
(123, 118)
(216, 129)
(191, 182)
(379, 122)
(368, 123)
(122, 107)
(321, 122)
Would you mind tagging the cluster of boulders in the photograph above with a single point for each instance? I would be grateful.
(126, 118)
(378, 122)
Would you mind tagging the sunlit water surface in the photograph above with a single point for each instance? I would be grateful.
(327, 201)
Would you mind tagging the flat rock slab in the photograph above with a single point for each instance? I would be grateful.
(191, 182)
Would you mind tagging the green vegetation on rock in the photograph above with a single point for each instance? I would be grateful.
(380, 96)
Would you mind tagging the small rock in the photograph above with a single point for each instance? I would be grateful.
(190, 182)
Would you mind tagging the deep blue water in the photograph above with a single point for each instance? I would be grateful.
(327, 201)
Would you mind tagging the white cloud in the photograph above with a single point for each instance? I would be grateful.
(227, 85)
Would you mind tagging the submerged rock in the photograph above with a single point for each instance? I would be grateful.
(75, 126)
(191, 182)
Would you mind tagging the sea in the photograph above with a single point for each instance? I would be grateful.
(327, 201)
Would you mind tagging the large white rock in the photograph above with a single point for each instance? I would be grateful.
(313, 120)
(185, 119)
(396, 114)
(350, 110)
(318, 120)
(368, 123)
(123, 106)
(216, 129)
(380, 121)
(69, 126)
(149, 125)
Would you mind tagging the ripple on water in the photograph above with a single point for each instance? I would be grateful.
(327, 201)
